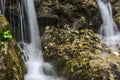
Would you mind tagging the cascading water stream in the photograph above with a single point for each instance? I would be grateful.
(32, 51)
(37, 69)
(108, 29)
(21, 20)
(2, 2)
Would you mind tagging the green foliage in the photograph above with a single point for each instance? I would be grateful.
(5, 35)
(1, 43)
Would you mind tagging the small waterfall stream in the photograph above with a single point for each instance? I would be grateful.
(2, 2)
(108, 29)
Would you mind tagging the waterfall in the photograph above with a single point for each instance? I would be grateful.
(34, 62)
(29, 42)
(108, 29)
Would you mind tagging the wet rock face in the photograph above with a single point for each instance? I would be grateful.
(78, 54)
(11, 63)
(78, 13)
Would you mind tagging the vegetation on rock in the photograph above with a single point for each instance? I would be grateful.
(11, 63)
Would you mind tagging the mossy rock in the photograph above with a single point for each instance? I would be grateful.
(11, 63)
(3, 24)
(12, 67)
(79, 54)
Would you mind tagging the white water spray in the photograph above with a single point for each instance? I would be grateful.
(108, 29)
